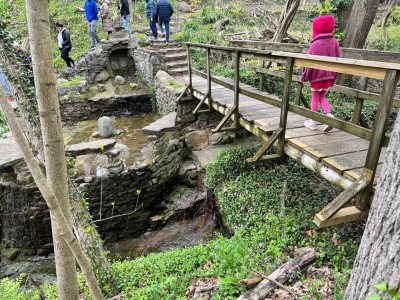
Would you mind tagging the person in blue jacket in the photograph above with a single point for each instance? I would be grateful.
(5, 85)
(91, 15)
(150, 15)
(164, 12)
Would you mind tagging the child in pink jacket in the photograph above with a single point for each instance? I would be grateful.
(323, 44)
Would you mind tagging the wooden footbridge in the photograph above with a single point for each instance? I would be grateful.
(350, 156)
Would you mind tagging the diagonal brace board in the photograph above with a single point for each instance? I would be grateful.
(224, 120)
(184, 92)
(196, 110)
(257, 157)
(345, 197)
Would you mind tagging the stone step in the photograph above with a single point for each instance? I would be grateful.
(174, 50)
(161, 41)
(179, 71)
(176, 65)
(175, 57)
(162, 45)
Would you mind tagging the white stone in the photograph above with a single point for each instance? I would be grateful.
(146, 40)
(101, 87)
(119, 79)
(106, 127)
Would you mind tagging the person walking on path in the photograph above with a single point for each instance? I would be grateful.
(64, 44)
(323, 44)
(26, 60)
(150, 15)
(106, 16)
(164, 11)
(5, 86)
(91, 15)
(125, 13)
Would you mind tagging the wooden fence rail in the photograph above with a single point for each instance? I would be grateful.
(389, 71)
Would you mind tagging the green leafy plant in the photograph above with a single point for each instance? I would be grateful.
(384, 288)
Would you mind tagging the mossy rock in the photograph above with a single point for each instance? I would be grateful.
(12, 254)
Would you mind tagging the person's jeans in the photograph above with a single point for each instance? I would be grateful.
(161, 29)
(126, 23)
(153, 27)
(166, 24)
(93, 34)
(65, 56)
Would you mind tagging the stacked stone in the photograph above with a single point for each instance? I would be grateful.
(148, 63)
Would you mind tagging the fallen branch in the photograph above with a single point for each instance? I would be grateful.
(79, 9)
(220, 24)
(280, 276)
(237, 33)
(208, 288)
(132, 212)
(276, 282)
(283, 196)
(250, 282)
(37, 286)
(118, 297)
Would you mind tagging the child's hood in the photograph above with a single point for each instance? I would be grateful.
(323, 24)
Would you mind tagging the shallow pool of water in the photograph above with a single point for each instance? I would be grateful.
(133, 143)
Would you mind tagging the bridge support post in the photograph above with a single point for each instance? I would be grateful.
(208, 95)
(378, 135)
(190, 86)
(262, 77)
(235, 109)
(279, 134)
(357, 116)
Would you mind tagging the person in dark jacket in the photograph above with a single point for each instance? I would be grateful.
(26, 60)
(64, 44)
(150, 15)
(125, 13)
(91, 15)
(164, 12)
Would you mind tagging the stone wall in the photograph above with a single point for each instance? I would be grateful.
(25, 218)
(148, 63)
(166, 95)
(79, 109)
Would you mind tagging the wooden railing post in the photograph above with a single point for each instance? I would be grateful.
(378, 135)
(285, 105)
(190, 72)
(299, 90)
(209, 78)
(359, 102)
(262, 77)
(236, 96)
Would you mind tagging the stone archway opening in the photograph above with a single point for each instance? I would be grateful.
(119, 60)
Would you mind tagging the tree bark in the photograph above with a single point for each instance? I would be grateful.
(285, 20)
(59, 221)
(50, 119)
(389, 11)
(358, 26)
(378, 258)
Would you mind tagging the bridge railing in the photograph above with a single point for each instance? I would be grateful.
(389, 72)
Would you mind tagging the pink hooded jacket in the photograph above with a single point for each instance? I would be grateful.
(323, 44)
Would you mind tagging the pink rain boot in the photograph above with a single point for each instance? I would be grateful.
(327, 127)
(310, 124)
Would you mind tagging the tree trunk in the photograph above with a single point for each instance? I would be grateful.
(131, 10)
(358, 26)
(378, 258)
(389, 11)
(50, 119)
(58, 219)
(285, 20)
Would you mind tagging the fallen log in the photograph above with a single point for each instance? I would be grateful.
(79, 9)
(220, 24)
(249, 282)
(281, 275)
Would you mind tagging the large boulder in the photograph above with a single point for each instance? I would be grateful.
(162, 79)
(102, 76)
(185, 8)
(221, 138)
(196, 140)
